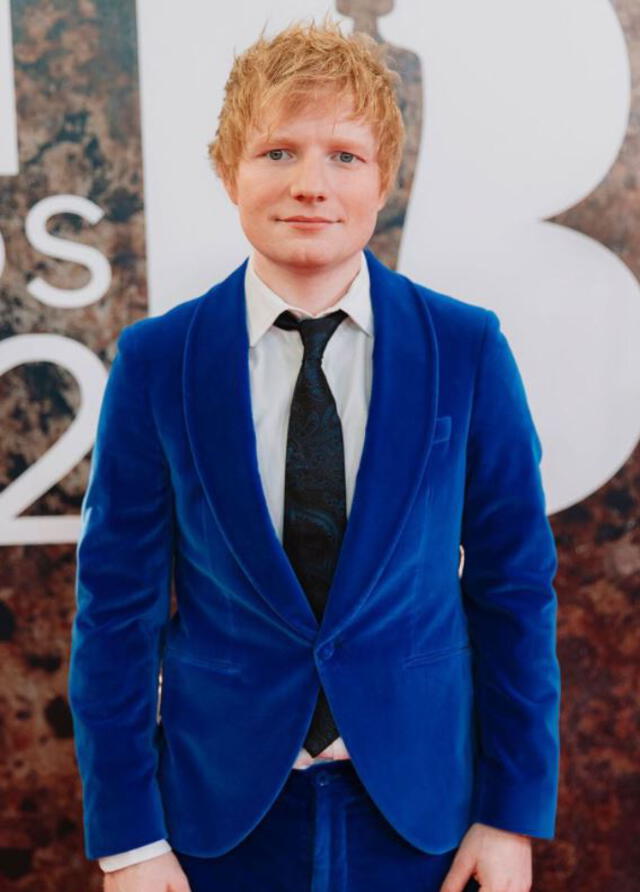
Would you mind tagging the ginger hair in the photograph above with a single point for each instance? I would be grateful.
(301, 65)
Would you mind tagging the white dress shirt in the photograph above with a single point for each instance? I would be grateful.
(275, 357)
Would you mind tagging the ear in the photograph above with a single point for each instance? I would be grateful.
(229, 183)
(383, 194)
(383, 197)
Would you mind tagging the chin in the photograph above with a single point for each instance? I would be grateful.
(305, 256)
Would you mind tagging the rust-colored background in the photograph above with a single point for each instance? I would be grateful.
(79, 132)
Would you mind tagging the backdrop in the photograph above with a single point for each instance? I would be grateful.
(518, 191)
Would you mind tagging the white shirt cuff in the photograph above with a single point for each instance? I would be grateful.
(134, 856)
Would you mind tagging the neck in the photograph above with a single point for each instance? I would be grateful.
(313, 290)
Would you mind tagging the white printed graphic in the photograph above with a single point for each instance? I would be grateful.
(8, 135)
(523, 125)
(65, 453)
(52, 246)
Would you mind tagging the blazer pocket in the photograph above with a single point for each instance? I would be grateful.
(217, 665)
(433, 656)
(442, 431)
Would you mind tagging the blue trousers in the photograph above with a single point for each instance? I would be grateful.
(323, 833)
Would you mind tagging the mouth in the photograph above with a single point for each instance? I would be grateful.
(310, 222)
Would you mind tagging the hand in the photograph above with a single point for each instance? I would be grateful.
(498, 859)
(160, 874)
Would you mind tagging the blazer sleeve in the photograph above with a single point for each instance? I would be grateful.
(124, 565)
(509, 566)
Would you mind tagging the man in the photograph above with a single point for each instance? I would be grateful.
(341, 708)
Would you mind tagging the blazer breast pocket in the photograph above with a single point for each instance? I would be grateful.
(442, 431)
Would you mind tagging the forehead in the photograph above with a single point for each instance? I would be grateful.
(327, 116)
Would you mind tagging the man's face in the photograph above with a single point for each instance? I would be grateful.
(316, 164)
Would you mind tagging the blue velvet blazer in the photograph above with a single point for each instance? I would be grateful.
(444, 686)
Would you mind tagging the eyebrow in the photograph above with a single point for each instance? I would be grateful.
(283, 137)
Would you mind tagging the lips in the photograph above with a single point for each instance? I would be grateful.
(300, 219)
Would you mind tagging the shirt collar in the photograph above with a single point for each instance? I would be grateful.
(264, 306)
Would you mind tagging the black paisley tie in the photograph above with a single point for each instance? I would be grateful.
(314, 492)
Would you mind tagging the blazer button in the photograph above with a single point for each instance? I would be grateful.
(327, 651)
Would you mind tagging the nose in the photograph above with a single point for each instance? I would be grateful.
(308, 181)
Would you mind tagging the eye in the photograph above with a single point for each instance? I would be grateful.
(347, 157)
(275, 154)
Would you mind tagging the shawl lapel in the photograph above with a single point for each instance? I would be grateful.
(398, 435)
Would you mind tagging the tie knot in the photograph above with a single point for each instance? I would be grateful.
(315, 333)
